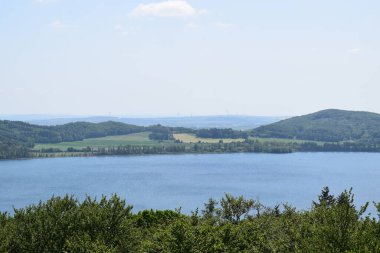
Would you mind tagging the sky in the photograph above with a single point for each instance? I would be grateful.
(193, 57)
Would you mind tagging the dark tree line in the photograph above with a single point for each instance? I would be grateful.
(160, 133)
(12, 150)
(248, 146)
(173, 148)
(219, 133)
(337, 147)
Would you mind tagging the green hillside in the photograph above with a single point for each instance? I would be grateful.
(29, 134)
(16, 137)
(327, 125)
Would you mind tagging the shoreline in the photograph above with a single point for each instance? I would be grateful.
(81, 154)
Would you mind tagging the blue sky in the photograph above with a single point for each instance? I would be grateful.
(195, 57)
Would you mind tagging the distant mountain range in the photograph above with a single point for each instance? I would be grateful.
(328, 125)
(196, 122)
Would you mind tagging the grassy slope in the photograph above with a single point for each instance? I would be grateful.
(190, 138)
(109, 141)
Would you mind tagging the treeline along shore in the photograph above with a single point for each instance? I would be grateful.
(324, 131)
(232, 224)
(209, 148)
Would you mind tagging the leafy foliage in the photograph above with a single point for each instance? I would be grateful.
(333, 224)
(160, 133)
(218, 133)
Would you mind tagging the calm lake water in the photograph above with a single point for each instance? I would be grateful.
(187, 181)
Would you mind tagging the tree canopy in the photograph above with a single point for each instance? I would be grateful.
(232, 224)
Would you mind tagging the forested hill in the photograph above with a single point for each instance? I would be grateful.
(17, 138)
(28, 134)
(328, 125)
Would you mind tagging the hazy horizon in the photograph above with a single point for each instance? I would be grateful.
(160, 58)
(51, 116)
(63, 116)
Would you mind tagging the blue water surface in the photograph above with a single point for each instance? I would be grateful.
(188, 181)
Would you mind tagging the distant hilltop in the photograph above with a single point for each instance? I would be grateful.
(330, 125)
(237, 122)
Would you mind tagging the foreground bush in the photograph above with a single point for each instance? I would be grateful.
(233, 224)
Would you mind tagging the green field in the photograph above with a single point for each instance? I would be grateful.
(143, 139)
(109, 141)
(190, 138)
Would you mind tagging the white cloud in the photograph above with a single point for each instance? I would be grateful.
(224, 25)
(171, 8)
(355, 50)
(57, 24)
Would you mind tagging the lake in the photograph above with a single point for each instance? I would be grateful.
(188, 181)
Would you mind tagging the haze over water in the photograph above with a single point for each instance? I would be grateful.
(187, 181)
